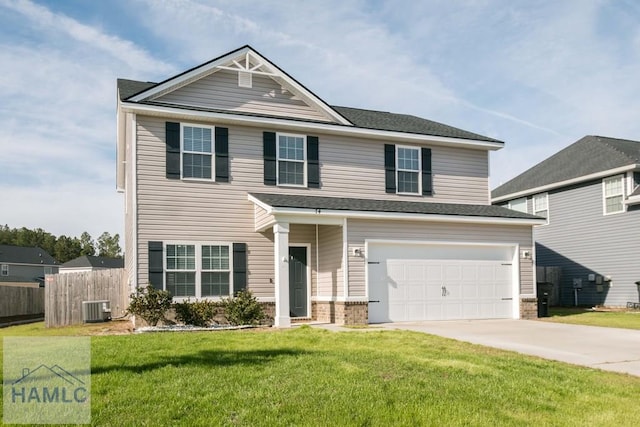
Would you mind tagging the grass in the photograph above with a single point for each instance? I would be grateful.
(583, 316)
(310, 377)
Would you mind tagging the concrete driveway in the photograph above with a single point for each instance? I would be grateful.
(610, 349)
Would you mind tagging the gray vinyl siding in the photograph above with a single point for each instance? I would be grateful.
(186, 211)
(582, 240)
(330, 269)
(361, 230)
(220, 91)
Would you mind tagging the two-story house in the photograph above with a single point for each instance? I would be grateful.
(590, 194)
(25, 265)
(237, 176)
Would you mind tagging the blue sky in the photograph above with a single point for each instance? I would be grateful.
(538, 75)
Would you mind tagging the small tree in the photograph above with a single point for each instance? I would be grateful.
(150, 303)
(243, 309)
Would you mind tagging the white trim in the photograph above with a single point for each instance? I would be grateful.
(533, 206)
(179, 113)
(302, 216)
(303, 161)
(212, 154)
(211, 67)
(134, 202)
(418, 172)
(604, 194)
(198, 267)
(571, 181)
(266, 299)
(335, 217)
(307, 246)
(345, 259)
(325, 298)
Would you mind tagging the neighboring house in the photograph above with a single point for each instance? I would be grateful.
(90, 263)
(237, 176)
(590, 194)
(25, 265)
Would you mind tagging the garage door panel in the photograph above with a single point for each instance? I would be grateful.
(411, 288)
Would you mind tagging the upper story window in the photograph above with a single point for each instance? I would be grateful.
(4, 270)
(291, 160)
(541, 205)
(613, 191)
(198, 270)
(519, 205)
(197, 152)
(408, 169)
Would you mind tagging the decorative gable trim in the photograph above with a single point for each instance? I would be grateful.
(233, 61)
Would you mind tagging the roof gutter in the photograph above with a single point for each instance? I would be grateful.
(295, 125)
(565, 183)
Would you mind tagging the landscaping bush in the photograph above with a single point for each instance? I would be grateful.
(150, 303)
(243, 309)
(197, 313)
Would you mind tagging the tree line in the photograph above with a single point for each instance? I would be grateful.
(63, 248)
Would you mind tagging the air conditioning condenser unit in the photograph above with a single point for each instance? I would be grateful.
(96, 311)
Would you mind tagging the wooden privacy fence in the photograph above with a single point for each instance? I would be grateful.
(21, 301)
(64, 294)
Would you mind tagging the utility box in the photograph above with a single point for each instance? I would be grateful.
(96, 311)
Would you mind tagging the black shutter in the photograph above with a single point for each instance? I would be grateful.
(427, 181)
(156, 262)
(390, 168)
(313, 164)
(172, 141)
(222, 154)
(239, 267)
(269, 151)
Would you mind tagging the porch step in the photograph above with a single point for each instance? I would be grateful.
(301, 319)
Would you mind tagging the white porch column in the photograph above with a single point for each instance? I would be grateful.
(281, 267)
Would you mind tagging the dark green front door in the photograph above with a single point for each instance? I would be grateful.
(298, 282)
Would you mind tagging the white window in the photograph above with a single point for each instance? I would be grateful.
(541, 205)
(198, 270)
(408, 169)
(291, 160)
(4, 270)
(197, 151)
(613, 194)
(519, 205)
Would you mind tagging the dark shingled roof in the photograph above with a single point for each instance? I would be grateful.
(367, 119)
(381, 120)
(394, 206)
(589, 155)
(25, 255)
(94, 261)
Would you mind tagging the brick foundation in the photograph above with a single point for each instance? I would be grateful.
(352, 313)
(528, 308)
(340, 312)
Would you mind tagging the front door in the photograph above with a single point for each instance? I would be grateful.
(298, 282)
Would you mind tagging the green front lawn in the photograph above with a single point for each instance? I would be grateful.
(307, 377)
(583, 316)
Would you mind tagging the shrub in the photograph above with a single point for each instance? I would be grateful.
(150, 303)
(197, 313)
(243, 309)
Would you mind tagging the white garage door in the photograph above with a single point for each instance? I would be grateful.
(411, 282)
